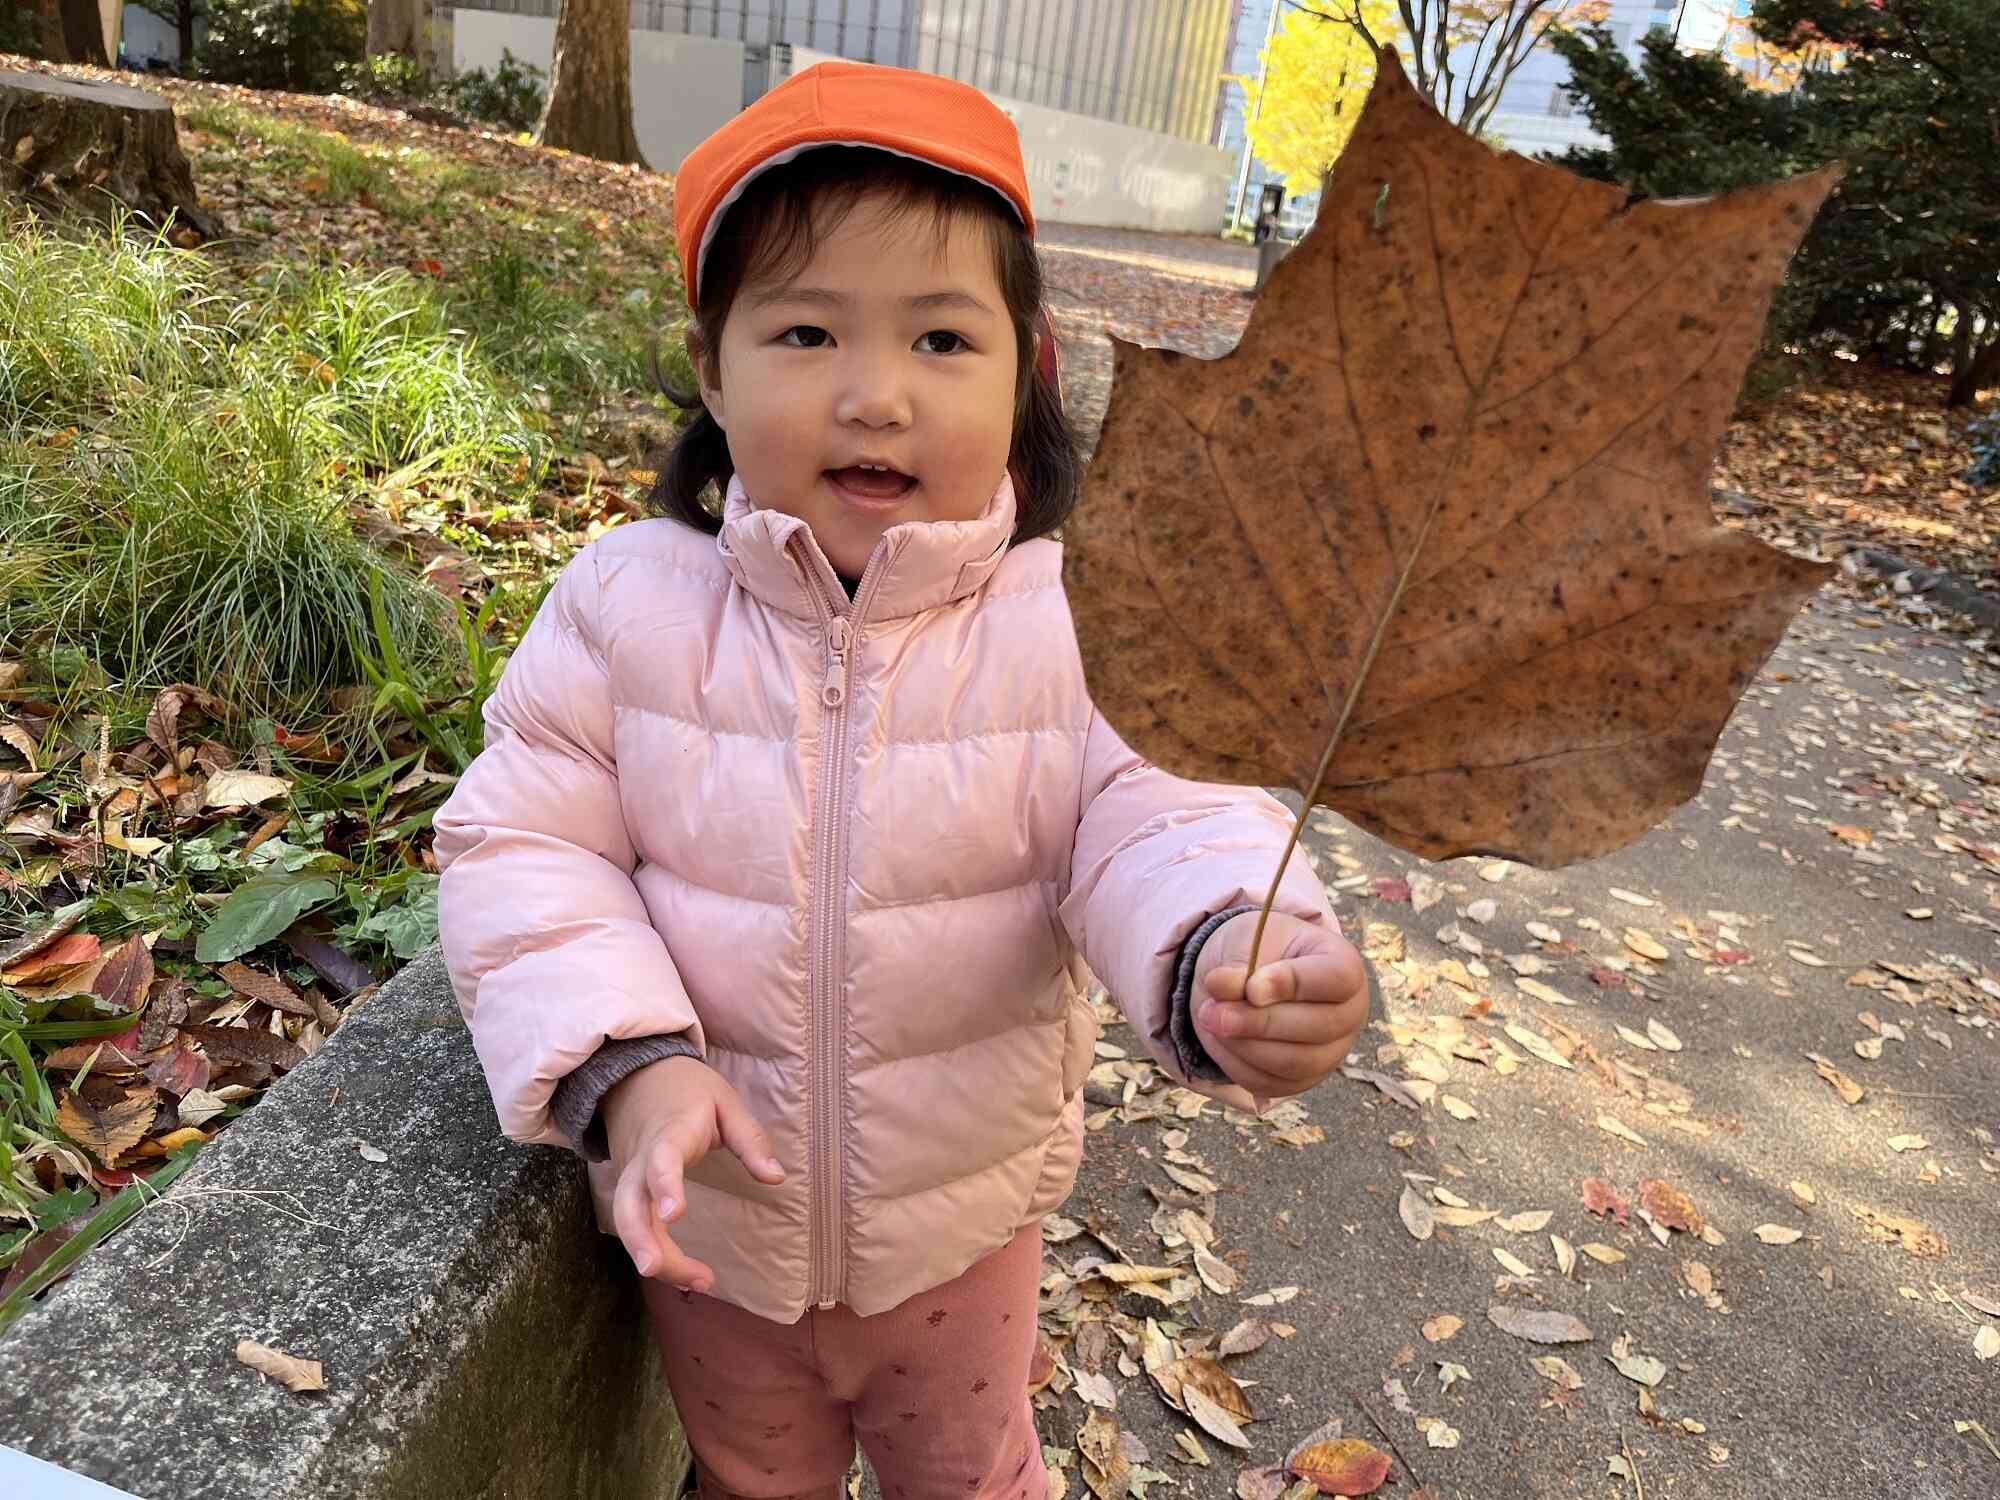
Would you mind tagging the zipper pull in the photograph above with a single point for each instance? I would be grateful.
(833, 692)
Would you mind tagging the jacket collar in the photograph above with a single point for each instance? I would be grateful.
(918, 565)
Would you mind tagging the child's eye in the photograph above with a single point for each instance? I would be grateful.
(943, 333)
(802, 328)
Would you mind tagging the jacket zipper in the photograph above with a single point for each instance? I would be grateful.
(826, 1079)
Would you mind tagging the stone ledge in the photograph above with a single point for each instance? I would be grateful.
(479, 1337)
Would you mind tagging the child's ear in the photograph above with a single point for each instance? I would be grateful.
(708, 375)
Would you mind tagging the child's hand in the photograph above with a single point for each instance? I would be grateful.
(658, 1122)
(1307, 1001)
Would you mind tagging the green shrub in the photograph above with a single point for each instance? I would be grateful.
(512, 96)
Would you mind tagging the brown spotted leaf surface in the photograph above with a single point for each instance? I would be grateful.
(1443, 514)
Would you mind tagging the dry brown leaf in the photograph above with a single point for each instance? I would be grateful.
(1105, 1468)
(1442, 1327)
(1342, 1466)
(1604, 1255)
(1532, 1222)
(1418, 1215)
(1850, 1092)
(108, 1131)
(1480, 585)
(1214, 1421)
(1199, 1372)
(1670, 1206)
(1538, 1325)
(1919, 1239)
(1245, 1338)
(293, 1373)
(272, 990)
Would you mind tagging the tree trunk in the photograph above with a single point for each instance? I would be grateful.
(589, 110)
(1980, 371)
(184, 33)
(401, 26)
(71, 147)
(83, 32)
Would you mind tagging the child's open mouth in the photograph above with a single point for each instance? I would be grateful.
(874, 487)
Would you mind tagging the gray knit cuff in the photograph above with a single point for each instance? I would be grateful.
(576, 1098)
(1188, 1050)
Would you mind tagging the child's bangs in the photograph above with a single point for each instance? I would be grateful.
(773, 232)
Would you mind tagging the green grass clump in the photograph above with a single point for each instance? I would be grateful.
(180, 472)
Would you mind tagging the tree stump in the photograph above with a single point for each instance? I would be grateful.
(72, 146)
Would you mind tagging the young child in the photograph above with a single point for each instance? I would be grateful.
(793, 820)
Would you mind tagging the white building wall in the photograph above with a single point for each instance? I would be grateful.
(1083, 170)
(683, 87)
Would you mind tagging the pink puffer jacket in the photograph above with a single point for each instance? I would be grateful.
(853, 850)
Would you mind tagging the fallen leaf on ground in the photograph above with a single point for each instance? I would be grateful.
(1619, 1128)
(1511, 1264)
(1538, 1044)
(1214, 1421)
(1418, 1216)
(1600, 1198)
(1532, 1222)
(1439, 1433)
(290, 1371)
(1920, 1240)
(1342, 1466)
(1555, 1368)
(1442, 1327)
(1986, 1342)
(1907, 1143)
(1642, 1369)
(1849, 1091)
(1662, 1037)
(1604, 1255)
(1538, 1325)
(1670, 1206)
(1645, 944)
(1457, 1108)
(1778, 1234)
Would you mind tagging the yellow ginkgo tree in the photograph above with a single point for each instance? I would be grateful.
(1460, 52)
(1316, 78)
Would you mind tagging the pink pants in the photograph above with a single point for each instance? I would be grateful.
(935, 1389)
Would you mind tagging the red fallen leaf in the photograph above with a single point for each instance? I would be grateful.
(1391, 889)
(1345, 1466)
(1609, 979)
(1600, 1198)
(180, 1072)
(428, 267)
(1731, 956)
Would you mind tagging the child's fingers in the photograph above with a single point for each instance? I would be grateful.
(742, 1134)
(1280, 1067)
(1295, 1022)
(652, 1249)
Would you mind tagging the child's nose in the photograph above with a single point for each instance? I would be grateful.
(875, 392)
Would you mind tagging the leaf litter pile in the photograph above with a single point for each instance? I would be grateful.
(1461, 583)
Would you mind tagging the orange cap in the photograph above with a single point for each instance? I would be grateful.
(938, 120)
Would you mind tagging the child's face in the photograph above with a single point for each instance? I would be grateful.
(839, 366)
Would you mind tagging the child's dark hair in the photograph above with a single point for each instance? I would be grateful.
(770, 232)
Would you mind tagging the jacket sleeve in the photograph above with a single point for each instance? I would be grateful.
(549, 945)
(1157, 856)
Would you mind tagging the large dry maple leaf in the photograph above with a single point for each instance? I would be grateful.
(1433, 545)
